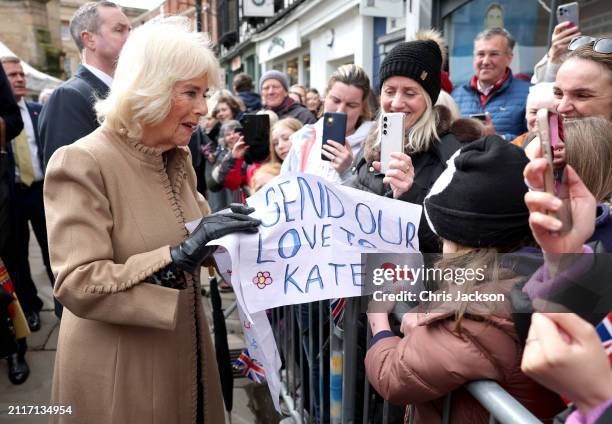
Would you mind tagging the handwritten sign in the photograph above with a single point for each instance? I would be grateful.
(258, 336)
(308, 248)
(313, 232)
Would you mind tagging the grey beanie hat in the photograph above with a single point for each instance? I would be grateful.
(277, 75)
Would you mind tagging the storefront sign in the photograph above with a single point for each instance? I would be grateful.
(382, 8)
(280, 43)
(258, 8)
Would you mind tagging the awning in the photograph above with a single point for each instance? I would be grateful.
(36, 80)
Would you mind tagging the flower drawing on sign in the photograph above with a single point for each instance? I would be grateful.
(262, 279)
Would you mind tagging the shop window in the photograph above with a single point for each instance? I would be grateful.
(227, 15)
(292, 71)
(528, 24)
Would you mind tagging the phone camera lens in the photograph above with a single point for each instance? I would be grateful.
(384, 125)
(385, 132)
(385, 119)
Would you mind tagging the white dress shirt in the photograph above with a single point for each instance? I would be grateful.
(104, 77)
(29, 129)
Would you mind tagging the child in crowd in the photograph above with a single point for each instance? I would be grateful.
(476, 206)
(280, 138)
(263, 175)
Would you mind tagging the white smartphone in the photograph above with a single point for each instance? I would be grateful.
(568, 12)
(391, 136)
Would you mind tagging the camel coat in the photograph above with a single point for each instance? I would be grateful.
(128, 351)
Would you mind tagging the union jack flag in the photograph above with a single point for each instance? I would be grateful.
(250, 368)
(604, 329)
(337, 311)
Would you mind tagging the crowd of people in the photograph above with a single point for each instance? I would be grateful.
(142, 140)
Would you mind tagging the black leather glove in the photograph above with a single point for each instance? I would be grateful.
(190, 254)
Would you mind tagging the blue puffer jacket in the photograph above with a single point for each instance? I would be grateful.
(506, 106)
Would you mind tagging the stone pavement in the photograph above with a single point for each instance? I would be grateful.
(41, 355)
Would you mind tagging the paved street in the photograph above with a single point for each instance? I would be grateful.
(41, 354)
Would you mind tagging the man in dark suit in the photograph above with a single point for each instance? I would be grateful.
(28, 200)
(99, 30)
(10, 347)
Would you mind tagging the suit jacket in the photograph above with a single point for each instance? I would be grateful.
(69, 114)
(9, 111)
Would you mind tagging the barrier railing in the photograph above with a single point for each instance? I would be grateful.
(323, 373)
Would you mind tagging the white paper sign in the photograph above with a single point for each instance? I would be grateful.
(262, 346)
(308, 248)
(313, 232)
(258, 336)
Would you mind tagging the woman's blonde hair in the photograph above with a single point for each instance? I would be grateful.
(447, 100)
(290, 123)
(423, 133)
(155, 57)
(272, 168)
(588, 149)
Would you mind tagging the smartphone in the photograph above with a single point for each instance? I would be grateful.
(550, 131)
(256, 132)
(568, 12)
(391, 136)
(479, 116)
(334, 128)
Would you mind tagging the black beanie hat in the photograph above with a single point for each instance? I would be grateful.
(420, 60)
(478, 201)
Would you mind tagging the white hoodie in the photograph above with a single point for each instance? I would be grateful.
(314, 164)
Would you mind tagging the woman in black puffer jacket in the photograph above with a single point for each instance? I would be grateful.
(410, 83)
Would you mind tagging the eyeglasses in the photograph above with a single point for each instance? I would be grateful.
(600, 45)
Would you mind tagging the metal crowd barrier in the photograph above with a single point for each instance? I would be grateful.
(321, 372)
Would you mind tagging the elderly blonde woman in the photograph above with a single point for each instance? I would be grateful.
(134, 344)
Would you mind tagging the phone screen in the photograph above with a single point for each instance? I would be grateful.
(479, 116)
(256, 131)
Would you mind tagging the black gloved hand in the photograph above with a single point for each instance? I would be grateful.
(190, 254)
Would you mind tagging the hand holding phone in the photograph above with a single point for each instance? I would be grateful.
(256, 133)
(550, 131)
(391, 136)
(334, 128)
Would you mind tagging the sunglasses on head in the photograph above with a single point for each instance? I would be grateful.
(600, 45)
